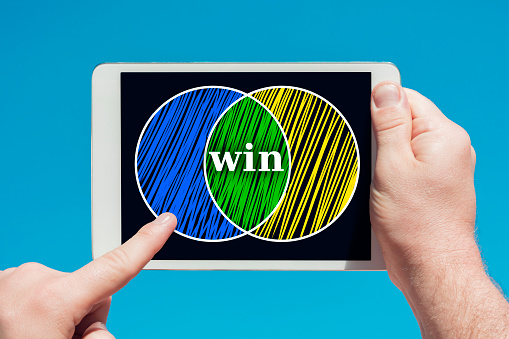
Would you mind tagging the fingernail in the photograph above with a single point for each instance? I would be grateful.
(386, 96)
(163, 219)
(97, 326)
(100, 325)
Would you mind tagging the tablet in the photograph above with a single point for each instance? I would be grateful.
(267, 166)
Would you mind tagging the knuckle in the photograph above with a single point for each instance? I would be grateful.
(462, 144)
(389, 118)
(30, 267)
(41, 297)
(119, 261)
(8, 271)
(146, 234)
(461, 136)
(424, 125)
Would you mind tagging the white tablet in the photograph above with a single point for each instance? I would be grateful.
(267, 166)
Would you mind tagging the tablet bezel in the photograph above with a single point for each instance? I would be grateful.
(106, 174)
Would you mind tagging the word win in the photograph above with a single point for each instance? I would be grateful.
(232, 165)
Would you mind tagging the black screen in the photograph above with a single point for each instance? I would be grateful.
(348, 238)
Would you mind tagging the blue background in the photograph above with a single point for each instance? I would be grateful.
(456, 53)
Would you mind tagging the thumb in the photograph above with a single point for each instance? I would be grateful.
(392, 121)
(97, 331)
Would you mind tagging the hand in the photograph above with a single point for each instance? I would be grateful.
(422, 196)
(423, 210)
(38, 302)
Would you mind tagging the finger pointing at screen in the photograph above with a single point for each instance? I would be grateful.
(33, 295)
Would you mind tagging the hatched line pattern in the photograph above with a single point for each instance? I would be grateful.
(324, 163)
(170, 162)
(247, 197)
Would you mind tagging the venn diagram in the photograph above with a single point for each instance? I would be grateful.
(279, 164)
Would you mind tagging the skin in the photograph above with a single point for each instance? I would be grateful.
(422, 210)
(38, 302)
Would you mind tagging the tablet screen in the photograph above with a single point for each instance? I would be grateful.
(255, 165)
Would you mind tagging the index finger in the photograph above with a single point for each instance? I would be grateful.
(107, 274)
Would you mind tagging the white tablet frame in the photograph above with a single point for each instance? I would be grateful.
(106, 175)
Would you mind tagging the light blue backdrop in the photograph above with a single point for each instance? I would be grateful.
(456, 53)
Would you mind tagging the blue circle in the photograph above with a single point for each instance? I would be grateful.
(169, 162)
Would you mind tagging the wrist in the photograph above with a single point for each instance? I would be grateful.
(458, 265)
(413, 257)
(454, 295)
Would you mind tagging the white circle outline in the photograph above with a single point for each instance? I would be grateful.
(358, 162)
(288, 177)
(206, 182)
(138, 146)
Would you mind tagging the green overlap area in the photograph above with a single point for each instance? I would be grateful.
(246, 197)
